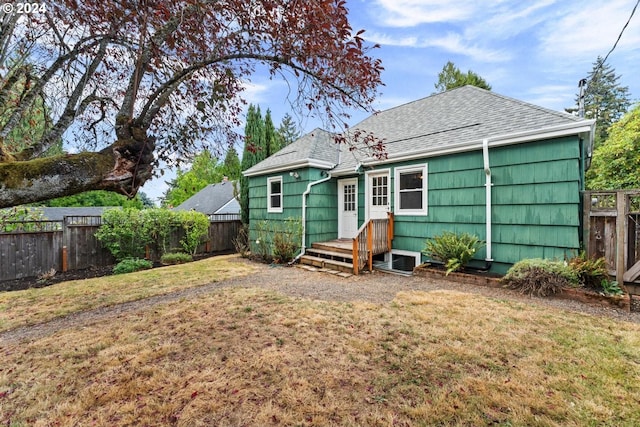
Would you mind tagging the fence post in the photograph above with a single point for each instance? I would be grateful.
(65, 263)
(621, 236)
(586, 223)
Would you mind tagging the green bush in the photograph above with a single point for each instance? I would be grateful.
(540, 277)
(278, 241)
(287, 240)
(130, 265)
(591, 271)
(176, 258)
(196, 229)
(455, 250)
(123, 234)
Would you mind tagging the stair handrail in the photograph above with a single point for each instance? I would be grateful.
(373, 237)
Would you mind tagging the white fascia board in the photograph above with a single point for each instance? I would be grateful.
(582, 127)
(308, 163)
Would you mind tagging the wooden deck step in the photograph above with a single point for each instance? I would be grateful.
(330, 254)
(326, 263)
(334, 246)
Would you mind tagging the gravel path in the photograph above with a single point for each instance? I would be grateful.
(377, 287)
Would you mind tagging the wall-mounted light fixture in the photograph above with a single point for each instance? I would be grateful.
(294, 174)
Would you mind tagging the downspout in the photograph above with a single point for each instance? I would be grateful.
(304, 214)
(488, 185)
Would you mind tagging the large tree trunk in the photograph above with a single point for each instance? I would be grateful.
(122, 167)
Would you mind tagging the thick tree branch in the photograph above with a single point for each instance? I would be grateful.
(123, 167)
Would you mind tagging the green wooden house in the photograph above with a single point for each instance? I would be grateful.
(466, 160)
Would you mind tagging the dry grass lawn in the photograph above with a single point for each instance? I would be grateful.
(39, 305)
(248, 357)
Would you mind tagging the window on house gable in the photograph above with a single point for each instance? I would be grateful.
(411, 190)
(274, 194)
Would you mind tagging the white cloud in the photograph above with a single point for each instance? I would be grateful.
(591, 30)
(409, 13)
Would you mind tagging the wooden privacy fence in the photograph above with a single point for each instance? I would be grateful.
(612, 230)
(36, 247)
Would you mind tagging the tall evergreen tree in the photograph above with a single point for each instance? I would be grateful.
(451, 77)
(287, 131)
(605, 99)
(231, 166)
(253, 153)
(271, 141)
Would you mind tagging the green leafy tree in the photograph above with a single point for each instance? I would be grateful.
(96, 198)
(616, 162)
(605, 99)
(287, 131)
(204, 171)
(451, 77)
(253, 154)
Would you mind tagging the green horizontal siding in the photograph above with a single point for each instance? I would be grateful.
(321, 204)
(535, 199)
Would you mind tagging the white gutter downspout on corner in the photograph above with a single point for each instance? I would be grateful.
(488, 184)
(304, 214)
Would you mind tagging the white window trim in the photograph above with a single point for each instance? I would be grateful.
(271, 209)
(404, 169)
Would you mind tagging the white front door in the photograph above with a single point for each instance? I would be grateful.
(347, 208)
(378, 195)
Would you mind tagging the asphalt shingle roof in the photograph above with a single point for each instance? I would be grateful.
(210, 199)
(317, 145)
(463, 115)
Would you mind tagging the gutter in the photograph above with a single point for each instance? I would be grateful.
(488, 185)
(581, 127)
(304, 215)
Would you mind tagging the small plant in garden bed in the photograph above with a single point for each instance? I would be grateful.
(541, 277)
(455, 250)
(175, 258)
(130, 265)
(611, 287)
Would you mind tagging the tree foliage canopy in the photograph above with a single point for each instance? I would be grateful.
(132, 83)
(616, 162)
(451, 77)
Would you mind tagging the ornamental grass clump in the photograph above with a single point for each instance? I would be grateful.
(541, 277)
(455, 250)
(173, 258)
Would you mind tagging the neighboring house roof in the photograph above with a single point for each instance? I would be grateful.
(211, 200)
(317, 149)
(459, 119)
(58, 214)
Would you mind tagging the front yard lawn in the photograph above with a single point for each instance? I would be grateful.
(250, 357)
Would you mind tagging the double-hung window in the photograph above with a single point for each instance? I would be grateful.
(274, 194)
(411, 190)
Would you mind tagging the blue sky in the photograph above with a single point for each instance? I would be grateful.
(535, 51)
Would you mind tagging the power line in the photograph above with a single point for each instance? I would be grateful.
(583, 82)
(622, 31)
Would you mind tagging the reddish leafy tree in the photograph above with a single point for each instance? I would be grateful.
(132, 82)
